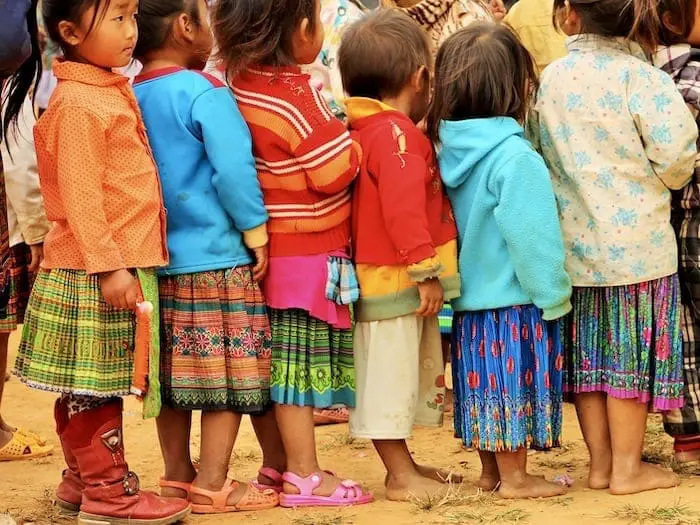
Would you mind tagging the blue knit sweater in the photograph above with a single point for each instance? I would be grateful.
(15, 45)
(203, 150)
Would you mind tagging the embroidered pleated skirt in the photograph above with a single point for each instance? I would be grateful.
(507, 373)
(626, 341)
(215, 342)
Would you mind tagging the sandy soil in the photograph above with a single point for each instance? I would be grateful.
(26, 487)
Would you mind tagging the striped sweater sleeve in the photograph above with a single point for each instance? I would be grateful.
(328, 156)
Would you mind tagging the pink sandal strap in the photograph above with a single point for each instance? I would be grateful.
(272, 474)
(348, 492)
(306, 486)
(180, 485)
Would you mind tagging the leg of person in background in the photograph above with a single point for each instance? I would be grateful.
(274, 462)
(516, 483)
(174, 434)
(5, 430)
(627, 419)
(591, 409)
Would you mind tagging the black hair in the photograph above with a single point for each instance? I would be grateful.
(385, 36)
(677, 20)
(480, 72)
(155, 22)
(637, 20)
(54, 12)
(17, 87)
(258, 31)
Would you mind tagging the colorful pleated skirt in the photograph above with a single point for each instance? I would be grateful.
(626, 341)
(20, 283)
(215, 334)
(507, 369)
(312, 361)
(73, 341)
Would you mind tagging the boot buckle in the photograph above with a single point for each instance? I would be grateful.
(131, 484)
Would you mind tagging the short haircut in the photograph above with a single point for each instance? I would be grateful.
(156, 18)
(380, 53)
(681, 15)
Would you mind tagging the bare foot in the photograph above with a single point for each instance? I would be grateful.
(531, 487)
(413, 486)
(648, 477)
(599, 472)
(443, 476)
(488, 481)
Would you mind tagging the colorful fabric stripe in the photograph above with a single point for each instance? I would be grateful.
(445, 319)
(20, 283)
(507, 375)
(216, 342)
(626, 341)
(73, 341)
(341, 286)
(312, 362)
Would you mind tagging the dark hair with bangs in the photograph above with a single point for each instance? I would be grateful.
(54, 12)
(480, 72)
(379, 54)
(677, 20)
(155, 22)
(637, 20)
(258, 31)
(16, 88)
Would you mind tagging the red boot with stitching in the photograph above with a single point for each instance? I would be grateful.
(69, 493)
(111, 495)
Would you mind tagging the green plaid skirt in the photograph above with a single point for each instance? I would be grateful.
(73, 341)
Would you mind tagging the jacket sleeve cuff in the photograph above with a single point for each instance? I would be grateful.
(430, 268)
(36, 232)
(256, 238)
(556, 312)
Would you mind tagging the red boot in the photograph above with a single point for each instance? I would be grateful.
(69, 493)
(111, 495)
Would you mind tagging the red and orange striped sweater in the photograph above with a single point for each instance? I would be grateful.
(305, 158)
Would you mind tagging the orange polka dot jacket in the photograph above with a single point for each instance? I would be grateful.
(98, 178)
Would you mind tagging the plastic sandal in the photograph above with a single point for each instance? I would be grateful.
(271, 474)
(33, 436)
(253, 499)
(20, 448)
(179, 485)
(346, 494)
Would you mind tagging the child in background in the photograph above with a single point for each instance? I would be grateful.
(617, 137)
(532, 21)
(336, 16)
(506, 349)
(441, 18)
(306, 163)
(679, 56)
(27, 226)
(404, 246)
(215, 345)
(102, 194)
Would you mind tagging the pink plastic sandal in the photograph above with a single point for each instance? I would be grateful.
(346, 494)
(271, 474)
(179, 485)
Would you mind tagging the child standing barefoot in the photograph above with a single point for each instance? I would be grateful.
(617, 137)
(306, 162)
(403, 243)
(215, 353)
(679, 56)
(102, 194)
(506, 352)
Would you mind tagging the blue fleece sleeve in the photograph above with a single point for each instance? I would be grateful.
(228, 145)
(15, 44)
(527, 217)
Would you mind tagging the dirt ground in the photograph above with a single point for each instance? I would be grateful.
(26, 488)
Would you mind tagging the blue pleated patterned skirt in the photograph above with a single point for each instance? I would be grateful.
(507, 373)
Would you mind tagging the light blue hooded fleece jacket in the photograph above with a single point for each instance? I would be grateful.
(511, 250)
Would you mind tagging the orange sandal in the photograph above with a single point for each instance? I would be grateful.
(253, 499)
(179, 485)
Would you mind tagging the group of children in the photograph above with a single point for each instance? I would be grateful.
(297, 261)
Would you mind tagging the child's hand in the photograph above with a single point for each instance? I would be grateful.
(120, 289)
(261, 258)
(37, 254)
(498, 9)
(431, 298)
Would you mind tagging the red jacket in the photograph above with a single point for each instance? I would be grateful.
(400, 212)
